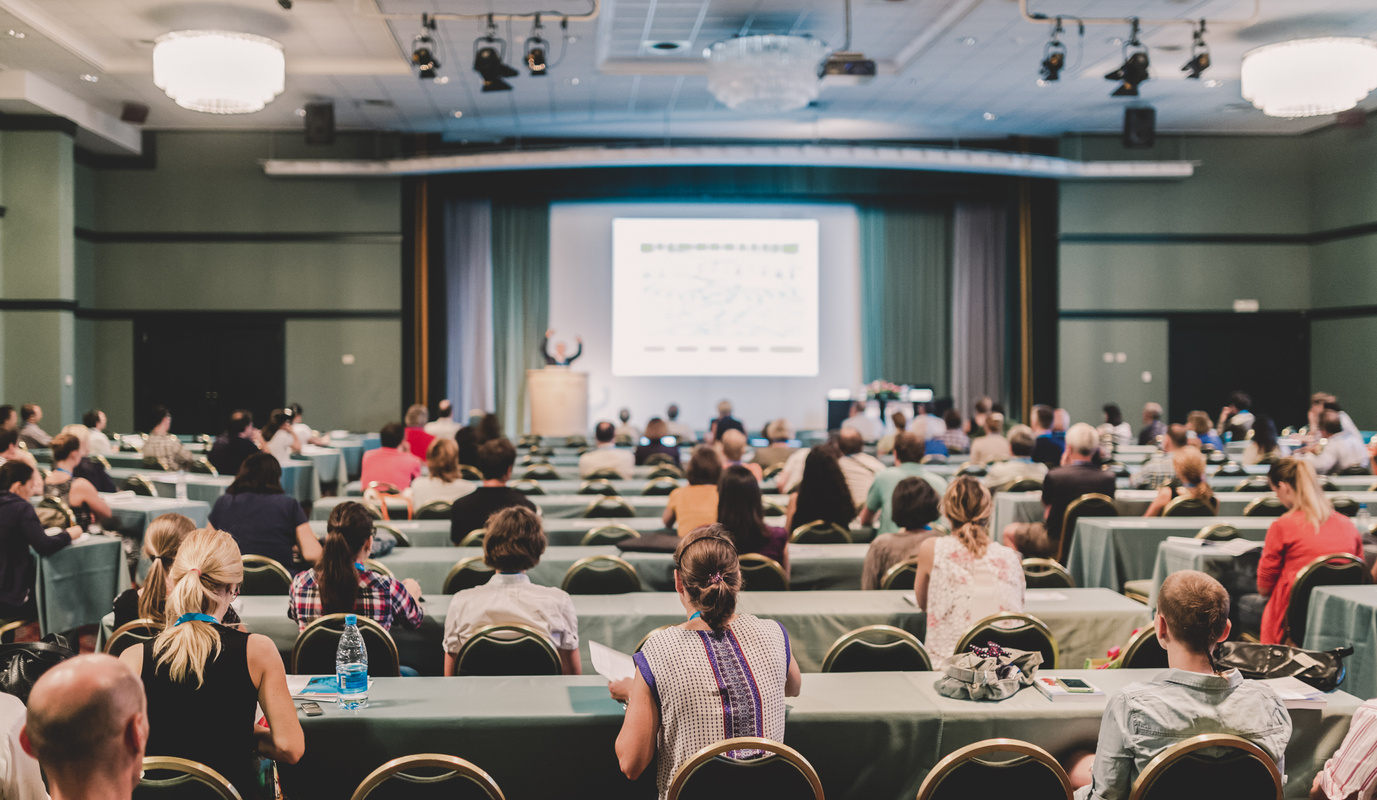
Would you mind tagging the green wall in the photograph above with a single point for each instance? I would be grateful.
(1086, 381)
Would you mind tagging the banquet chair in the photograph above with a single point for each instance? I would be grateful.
(820, 532)
(601, 575)
(182, 779)
(1022, 485)
(466, 574)
(1335, 569)
(772, 770)
(932, 458)
(1264, 507)
(471, 473)
(402, 539)
(575, 441)
(624, 440)
(606, 474)
(646, 638)
(1093, 504)
(1257, 483)
(314, 650)
(139, 631)
(1344, 505)
(202, 466)
(1118, 469)
(153, 462)
(877, 648)
(1190, 507)
(1231, 469)
(659, 459)
(1183, 769)
(772, 508)
(609, 534)
(374, 565)
(660, 486)
(1219, 532)
(969, 772)
(771, 471)
(428, 776)
(762, 574)
(53, 512)
(540, 472)
(435, 509)
(1327, 485)
(264, 576)
(1143, 651)
(473, 538)
(530, 488)
(666, 471)
(101, 460)
(1044, 573)
(140, 485)
(1355, 469)
(612, 507)
(901, 576)
(509, 649)
(973, 470)
(600, 486)
(1019, 631)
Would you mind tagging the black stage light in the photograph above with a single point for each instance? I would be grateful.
(1053, 56)
(487, 62)
(423, 50)
(1135, 67)
(1200, 54)
(537, 50)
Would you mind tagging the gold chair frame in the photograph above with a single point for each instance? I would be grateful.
(457, 766)
(588, 538)
(861, 633)
(190, 769)
(1040, 567)
(615, 564)
(895, 572)
(1027, 620)
(974, 751)
(759, 563)
(461, 566)
(775, 749)
(322, 624)
(1165, 759)
(525, 631)
(127, 628)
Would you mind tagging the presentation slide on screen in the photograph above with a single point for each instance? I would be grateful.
(714, 297)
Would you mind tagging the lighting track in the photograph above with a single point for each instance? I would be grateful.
(1048, 19)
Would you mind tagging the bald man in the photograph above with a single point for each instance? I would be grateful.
(87, 726)
(733, 447)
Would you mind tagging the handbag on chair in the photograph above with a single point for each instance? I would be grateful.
(22, 664)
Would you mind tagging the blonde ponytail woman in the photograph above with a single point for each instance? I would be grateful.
(965, 577)
(1189, 465)
(203, 680)
(1309, 529)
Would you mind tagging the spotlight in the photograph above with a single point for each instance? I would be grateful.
(536, 51)
(488, 54)
(1053, 56)
(1200, 54)
(423, 50)
(1135, 67)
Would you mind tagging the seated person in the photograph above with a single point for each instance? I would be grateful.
(656, 432)
(606, 455)
(78, 493)
(908, 455)
(914, 506)
(417, 439)
(626, 430)
(10, 449)
(514, 544)
(1190, 698)
(870, 428)
(780, 433)
(238, 442)
(1020, 465)
(1189, 463)
(965, 577)
(162, 445)
(392, 463)
(992, 446)
(278, 437)
(340, 584)
(1342, 449)
(471, 512)
(886, 444)
(20, 531)
(858, 467)
(1199, 423)
(263, 520)
(1076, 476)
(822, 495)
(161, 542)
(733, 444)
(740, 511)
(88, 467)
(443, 482)
(691, 507)
(954, 439)
(1352, 773)
(99, 443)
(1159, 470)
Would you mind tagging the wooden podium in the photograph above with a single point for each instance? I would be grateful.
(559, 401)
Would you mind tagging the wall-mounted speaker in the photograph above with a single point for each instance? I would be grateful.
(1140, 127)
(320, 123)
(136, 113)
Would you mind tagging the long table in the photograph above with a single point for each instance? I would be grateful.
(870, 736)
(76, 585)
(1107, 551)
(1347, 615)
(560, 532)
(205, 488)
(133, 512)
(298, 480)
(1175, 557)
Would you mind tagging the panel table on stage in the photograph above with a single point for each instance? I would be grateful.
(869, 735)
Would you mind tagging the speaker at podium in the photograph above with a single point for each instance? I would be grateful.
(559, 401)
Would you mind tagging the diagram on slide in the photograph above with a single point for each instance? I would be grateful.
(715, 297)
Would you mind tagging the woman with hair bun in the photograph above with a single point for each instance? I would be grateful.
(203, 680)
(718, 675)
(965, 577)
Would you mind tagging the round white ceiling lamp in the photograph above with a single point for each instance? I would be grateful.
(1310, 77)
(218, 72)
(765, 73)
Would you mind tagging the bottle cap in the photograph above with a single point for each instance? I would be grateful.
(350, 619)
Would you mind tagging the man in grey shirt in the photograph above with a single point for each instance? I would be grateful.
(30, 434)
(1342, 448)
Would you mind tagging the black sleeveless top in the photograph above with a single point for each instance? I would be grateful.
(212, 724)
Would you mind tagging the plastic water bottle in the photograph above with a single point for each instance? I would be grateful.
(351, 666)
(1363, 520)
(180, 482)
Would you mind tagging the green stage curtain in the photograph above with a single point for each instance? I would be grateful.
(906, 294)
(520, 302)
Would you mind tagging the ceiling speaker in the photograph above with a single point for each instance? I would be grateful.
(320, 123)
(1140, 127)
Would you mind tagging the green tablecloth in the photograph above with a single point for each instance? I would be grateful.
(77, 584)
(329, 463)
(133, 513)
(1106, 551)
(352, 448)
(1174, 557)
(869, 735)
(298, 478)
(560, 532)
(205, 488)
(552, 506)
(1347, 615)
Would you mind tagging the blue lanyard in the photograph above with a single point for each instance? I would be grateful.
(359, 566)
(695, 615)
(66, 472)
(197, 617)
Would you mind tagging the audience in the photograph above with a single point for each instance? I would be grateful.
(238, 442)
(927, 422)
(656, 432)
(1320, 402)
(442, 482)
(417, 439)
(467, 439)
(1309, 529)
(741, 512)
(1020, 465)
(1263, 448)
(965, 577)
(160, 544)
(1152, 424)
(687, 691)
(992, 446)
(1078, 475)
(1189, 464)
(162, 445)
(1198, 422)
(606, 455)
(1341, 450)
(695, 505)
(870, 428)
(78, 493)
(1192, 697)
(98, 443)
(87, 725)
(30, 434)
(780, 433)
(302, 431)
(886, 443)
(87, 467)
(733, 446)
(1160, 470)
(953, 438)
(9, 418)
(514, 544)
(1235, 420)
(470, 512)
(10, 449)
(279, 440)
(1352, 773)
(206, 680)
(340, 584)
(443, 426)
(263, 520)
(1048, 444)
(627, 431)
(22, 535)
(822, 495)
(677, 429)
(391, 464)
(725, 421)
(858, 467)
(908, 452)
(914, 510)
(975, 426)
(1115, 426)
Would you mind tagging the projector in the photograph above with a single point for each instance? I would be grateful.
(847, 69)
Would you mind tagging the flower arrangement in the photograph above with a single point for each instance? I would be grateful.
(882, 390)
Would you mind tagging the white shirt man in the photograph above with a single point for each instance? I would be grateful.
(97, 443)
(443, 427)
(857, 467)
(606, 455)
(870, 428)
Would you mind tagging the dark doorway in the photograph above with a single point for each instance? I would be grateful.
(1265, 355)
(204, 366)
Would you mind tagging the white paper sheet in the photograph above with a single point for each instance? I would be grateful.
(613, 665)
